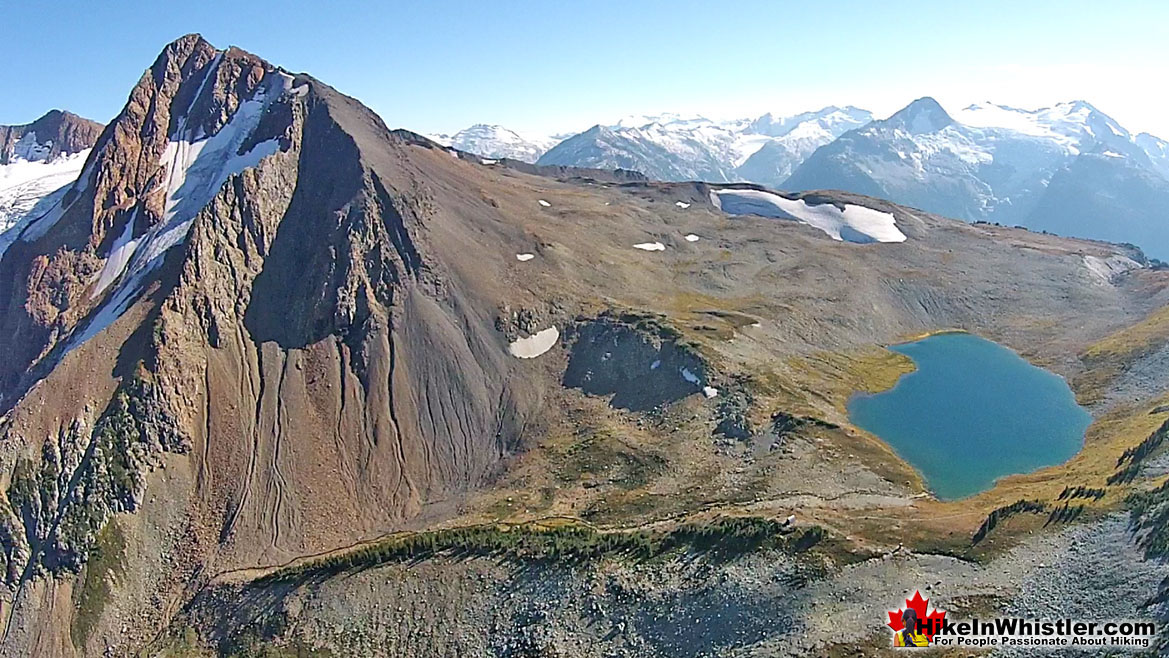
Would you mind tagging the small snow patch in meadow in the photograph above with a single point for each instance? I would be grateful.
(690, 237)
(534, 345)
(544, 203)
(454, 153)
(852, 224)
(708, 391)
(682, 204)
(488, 162)
(650, 246)
(523, 258)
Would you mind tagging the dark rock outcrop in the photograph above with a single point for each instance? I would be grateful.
(633, 358)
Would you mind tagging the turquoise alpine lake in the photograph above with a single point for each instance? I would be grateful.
(972, 412)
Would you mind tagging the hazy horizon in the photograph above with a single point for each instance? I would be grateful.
(546, 69)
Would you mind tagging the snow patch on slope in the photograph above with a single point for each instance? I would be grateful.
(708, 391)
(534, 345)
(852, 224)
(119, 257)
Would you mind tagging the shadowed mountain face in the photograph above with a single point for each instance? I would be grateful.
(260, 326)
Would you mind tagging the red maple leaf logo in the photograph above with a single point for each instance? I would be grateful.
(930, 622)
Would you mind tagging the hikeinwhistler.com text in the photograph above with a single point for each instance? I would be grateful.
(1019, 632)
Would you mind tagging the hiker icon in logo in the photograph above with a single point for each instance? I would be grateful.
(907, 636)
(915, 625)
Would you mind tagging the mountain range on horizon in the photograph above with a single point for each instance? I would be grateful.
(985, 162)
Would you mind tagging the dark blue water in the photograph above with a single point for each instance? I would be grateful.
(972, 412)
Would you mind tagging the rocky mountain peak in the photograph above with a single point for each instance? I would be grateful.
(55, 134)
(197, 117)
(235, 221)
(924, 115)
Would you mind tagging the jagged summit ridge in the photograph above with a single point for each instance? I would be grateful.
(54, 135)
(197, 117)
(37, 159)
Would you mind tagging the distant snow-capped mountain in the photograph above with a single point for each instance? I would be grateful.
(672, 147)
(997, 163)
(493, 141)
(794, 139)
(1158, 151)
(1068, 168)
(38, 158)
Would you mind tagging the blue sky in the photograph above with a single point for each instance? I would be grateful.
(543, 67)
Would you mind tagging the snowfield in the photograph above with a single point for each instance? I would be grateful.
(534, 345)
(24, 182)
(852, 224)
(1068, 124)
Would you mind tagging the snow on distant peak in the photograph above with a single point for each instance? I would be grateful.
(1158, 151)
(832, 120)
(1071, 124)
(673, 146)
(922, 116)
(496, 142)
(664, 119)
